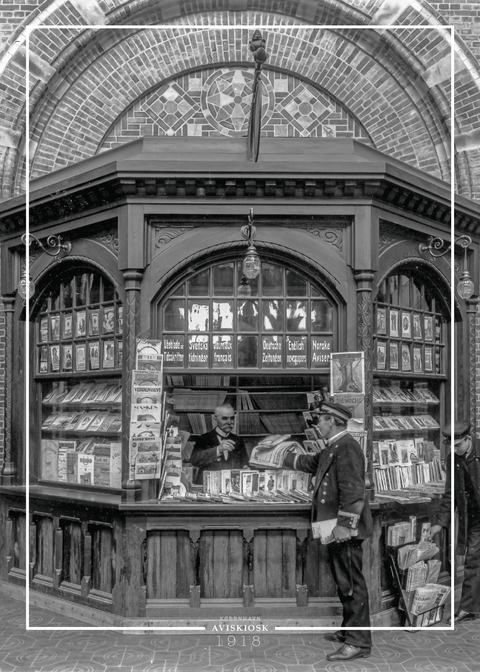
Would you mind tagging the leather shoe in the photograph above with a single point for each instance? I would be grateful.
(461, 616)
(348, 652)
(334, 636)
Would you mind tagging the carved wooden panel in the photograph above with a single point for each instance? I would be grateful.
(169, 567)
(275, 553)
(221, 562)
(72, 553)
(102, 569)
(45, 545)
(318, 576)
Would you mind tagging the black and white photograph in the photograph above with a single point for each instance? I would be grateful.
(254, 203)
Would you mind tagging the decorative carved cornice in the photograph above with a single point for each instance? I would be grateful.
(66, 204)
(333, 237)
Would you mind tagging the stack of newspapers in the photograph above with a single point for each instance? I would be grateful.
(270, 453)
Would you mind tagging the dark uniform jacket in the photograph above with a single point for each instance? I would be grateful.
(339, 482)
(461, 502)
(204, 454)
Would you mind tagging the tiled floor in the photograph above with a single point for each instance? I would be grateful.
(107, 651)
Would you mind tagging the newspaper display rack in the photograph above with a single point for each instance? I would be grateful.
(421, 599)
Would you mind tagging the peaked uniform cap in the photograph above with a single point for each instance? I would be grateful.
(335, 410)
(458, 431)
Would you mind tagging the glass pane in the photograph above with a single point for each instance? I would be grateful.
(198, 351)
(244, 286)
(382, 292)
(180, 291)
(54, 297)
(222, 347)
(296, 286)
(108, 290)
(418, 300)
(321, 316)
(173, 351)
(296, 315)
(81, 290)
(174, 315)
(315, 292)
(223, 280)
(94, 289)
(44, 304)
(429, 299)
(198, 285)
(198, 316)
(247, 315)
(405, 291)
(272, 280)
(247, 351)
(273, 315)
(296, 351)
(272, 347)
(68, 290)
(393, 290)
(222, 318)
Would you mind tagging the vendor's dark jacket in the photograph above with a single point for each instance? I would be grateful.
(339, 482)
(460, 498)
(204, 454)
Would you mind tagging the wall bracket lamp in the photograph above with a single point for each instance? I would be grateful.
(251, 262)
(465, 286)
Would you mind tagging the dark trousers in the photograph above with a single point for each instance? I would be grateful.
(346, 565)
(470, 600)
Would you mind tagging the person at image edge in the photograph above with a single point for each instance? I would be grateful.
(219, 448)
(467, 502)
(340, 493)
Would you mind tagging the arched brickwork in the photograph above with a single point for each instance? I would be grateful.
(393, 81)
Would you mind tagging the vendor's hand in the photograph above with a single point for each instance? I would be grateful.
(435, 529)
(227, 445)
(341, 534)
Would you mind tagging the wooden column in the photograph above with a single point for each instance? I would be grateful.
(131, 489)
(364, 280)
(9, 469)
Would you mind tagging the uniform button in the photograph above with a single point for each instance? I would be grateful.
(326, 474)
(322, 501)
(324, 493)
(325, 484)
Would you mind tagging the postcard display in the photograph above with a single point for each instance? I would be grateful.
(79, 347)
(407, 404)
(146, 444)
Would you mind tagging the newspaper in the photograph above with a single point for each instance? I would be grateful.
(428, 597)
(271, 452)
(412, 553)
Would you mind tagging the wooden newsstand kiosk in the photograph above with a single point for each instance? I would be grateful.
(150, 227)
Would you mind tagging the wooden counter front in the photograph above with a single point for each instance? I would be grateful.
(186, 562)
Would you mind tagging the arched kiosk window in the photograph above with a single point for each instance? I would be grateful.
(78, 353)
(265, 342)
(411, 365)
(219, 320)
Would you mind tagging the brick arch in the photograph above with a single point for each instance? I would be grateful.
(347, 67)
(411, 52)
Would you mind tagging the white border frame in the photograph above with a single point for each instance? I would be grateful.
(270, 28)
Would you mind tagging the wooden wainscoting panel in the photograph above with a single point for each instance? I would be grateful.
(72, 553)
(318, 576)
(275, 555)
(102, 570)
(45, 546)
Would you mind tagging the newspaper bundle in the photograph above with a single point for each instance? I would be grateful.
(271, 452)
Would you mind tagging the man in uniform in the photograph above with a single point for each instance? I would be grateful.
(340, 494)
(220, 448)
(467, 502)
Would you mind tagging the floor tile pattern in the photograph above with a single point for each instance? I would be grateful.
(108, 651)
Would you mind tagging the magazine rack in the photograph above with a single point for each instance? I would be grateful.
(426, 618)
